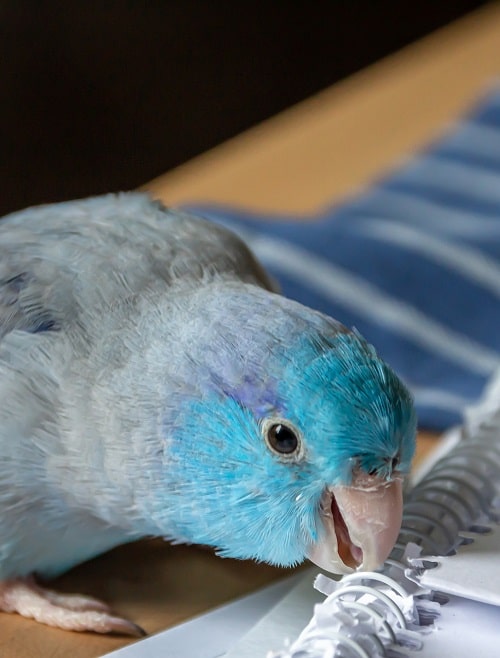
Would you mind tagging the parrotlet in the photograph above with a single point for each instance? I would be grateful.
(152, 383)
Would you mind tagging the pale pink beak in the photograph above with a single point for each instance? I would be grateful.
(361, 522)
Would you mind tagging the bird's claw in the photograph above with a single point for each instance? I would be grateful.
(74, 612)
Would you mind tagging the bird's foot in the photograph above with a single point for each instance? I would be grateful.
(73, 612)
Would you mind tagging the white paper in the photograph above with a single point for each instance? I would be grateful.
(284, 621)
(473, 572)
(466, 629)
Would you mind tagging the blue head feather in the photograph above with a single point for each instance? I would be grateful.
(358, 412)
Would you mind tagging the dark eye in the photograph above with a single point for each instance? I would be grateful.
(282, 439)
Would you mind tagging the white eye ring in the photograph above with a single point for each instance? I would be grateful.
(283, 439)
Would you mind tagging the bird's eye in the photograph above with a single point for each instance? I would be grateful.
(282, 439)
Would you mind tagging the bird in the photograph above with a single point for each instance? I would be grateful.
(154, 383)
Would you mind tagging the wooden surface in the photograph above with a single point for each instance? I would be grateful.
(315, 153)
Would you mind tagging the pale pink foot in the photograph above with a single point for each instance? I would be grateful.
(72, 612)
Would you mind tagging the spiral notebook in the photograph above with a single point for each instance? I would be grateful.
(438, 594)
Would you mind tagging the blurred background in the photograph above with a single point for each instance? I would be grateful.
(104, 96)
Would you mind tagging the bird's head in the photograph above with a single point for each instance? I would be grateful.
(296, 448)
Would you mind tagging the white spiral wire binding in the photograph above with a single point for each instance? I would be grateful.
(439, 523)
(357, 620)
(460, 489)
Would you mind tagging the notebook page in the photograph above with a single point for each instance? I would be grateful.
(284, 621)
(474, 571)
(465, 629)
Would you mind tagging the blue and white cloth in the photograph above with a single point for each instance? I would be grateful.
(413, 263)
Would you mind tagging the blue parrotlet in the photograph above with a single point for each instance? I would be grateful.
(152, 383)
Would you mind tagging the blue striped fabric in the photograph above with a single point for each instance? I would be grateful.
(413, 263)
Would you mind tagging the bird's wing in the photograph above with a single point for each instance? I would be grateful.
(26, 299)
(64, 265)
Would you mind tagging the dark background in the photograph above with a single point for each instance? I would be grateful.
(101, 96)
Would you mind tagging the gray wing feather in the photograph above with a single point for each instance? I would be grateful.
(65, 264)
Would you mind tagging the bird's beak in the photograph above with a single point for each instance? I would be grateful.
(361, 524)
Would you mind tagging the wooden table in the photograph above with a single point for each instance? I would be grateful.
(316, 152)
